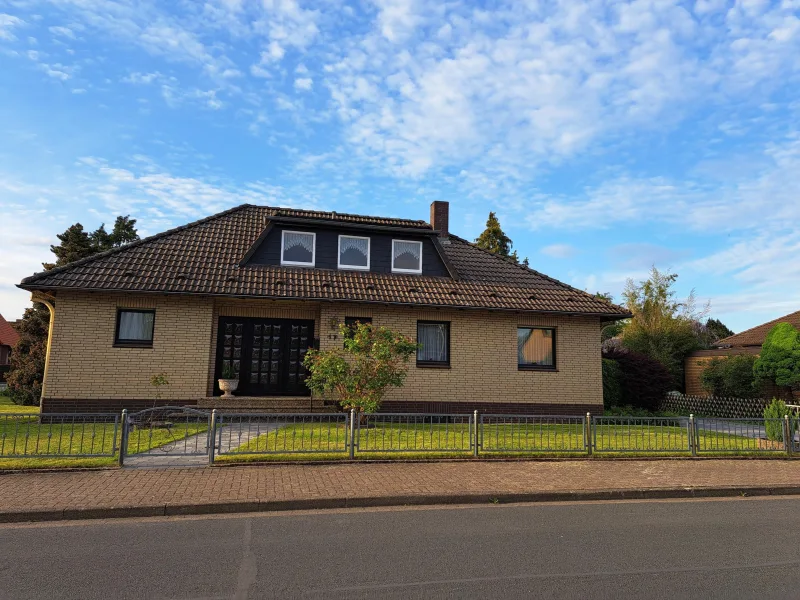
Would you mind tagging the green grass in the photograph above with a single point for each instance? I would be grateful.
(327, 442)
(7, 406)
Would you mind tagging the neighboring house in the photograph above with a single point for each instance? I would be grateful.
(8, 339)
(255, 287)
(746, 342)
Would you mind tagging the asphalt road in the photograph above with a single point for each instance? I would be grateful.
(740, 548)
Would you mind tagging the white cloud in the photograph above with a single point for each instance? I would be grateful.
(559, 251)
(303, 83)
(62, 31)
(7, 23)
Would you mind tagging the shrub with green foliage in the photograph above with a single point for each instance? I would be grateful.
(779, 362)
(373, 359)
(730, 376)
(777, 409)
(644, 382)
(612, 383)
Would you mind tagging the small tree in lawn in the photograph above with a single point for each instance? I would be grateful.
(373, 360)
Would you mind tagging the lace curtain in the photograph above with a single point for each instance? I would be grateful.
(433, 338)
(136, 326)
(407, 255)
(353, 251)
(298, 247)
(535, 346)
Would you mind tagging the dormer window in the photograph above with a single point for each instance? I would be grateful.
(406, 257)
(354, 252)
(298, 248)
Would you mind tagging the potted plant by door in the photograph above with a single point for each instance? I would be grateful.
(229, 381)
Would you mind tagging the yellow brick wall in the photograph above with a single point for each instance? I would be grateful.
(84, 363)
(483, 356)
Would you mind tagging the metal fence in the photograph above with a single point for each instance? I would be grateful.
(532, 434)
(23, 435)
(260, 433)
(412, 433)
(640, 434)
(177, 431)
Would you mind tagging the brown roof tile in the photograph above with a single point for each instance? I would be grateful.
(203, 258)
(8, 335)
(757, 335)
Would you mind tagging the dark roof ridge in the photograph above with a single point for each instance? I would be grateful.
(140, 242)
(341, 214)
(534, 271)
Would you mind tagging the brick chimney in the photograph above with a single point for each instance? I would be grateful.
(440, 217)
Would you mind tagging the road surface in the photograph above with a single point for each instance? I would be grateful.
(735, 548)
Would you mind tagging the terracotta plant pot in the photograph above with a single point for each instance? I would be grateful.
(228, 386)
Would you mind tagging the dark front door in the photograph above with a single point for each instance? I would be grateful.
(267, 354)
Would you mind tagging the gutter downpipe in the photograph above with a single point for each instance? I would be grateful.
(51, 307)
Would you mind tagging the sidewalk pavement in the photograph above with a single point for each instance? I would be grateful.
(158, 492)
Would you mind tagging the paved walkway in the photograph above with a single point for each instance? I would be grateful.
(147, 492)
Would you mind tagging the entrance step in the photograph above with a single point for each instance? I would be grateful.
(268, 404)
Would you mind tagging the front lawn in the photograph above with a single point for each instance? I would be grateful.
(7, 406)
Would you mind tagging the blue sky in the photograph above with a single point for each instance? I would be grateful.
(608, 136)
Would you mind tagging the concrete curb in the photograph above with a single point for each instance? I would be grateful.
(166, 510)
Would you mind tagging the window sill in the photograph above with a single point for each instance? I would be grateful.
(424, 365)
(536, 368)
(133, 345)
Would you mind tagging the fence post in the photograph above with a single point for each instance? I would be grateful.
(123, 437)
(476, 437)
(588, 430)
(788, 437)
(212, 436)
(692, 438)
(352, 433)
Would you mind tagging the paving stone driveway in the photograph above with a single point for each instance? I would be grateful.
(141, 488)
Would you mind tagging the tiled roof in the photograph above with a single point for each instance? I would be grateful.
(203, 258)
(8, 336)
(346, 218)
(757, 335)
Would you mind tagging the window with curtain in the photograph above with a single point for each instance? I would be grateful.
(536, 348)
(352, 322)
(434, 340)
(298, 248)
(353, 252)
(406, 256)
(135, 327)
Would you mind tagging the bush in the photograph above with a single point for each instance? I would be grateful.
(612, 383)
(644, 381)
(779, 362)
(730, 376)
(777, 409)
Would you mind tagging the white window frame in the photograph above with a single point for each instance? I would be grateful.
(414, 271)
(339, 253)
(313, 249)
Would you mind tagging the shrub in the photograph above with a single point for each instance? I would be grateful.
(644, 381)
(779, 362)
(777, 409)
(612, 383)
(373, 360)
(730, 376)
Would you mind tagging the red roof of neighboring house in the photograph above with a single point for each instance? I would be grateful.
(757, 335)
(8, 336)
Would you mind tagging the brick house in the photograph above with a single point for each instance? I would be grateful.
(746, 342)
(8, 339)
(254, 287)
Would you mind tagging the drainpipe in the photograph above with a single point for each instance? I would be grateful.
(51, 307)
